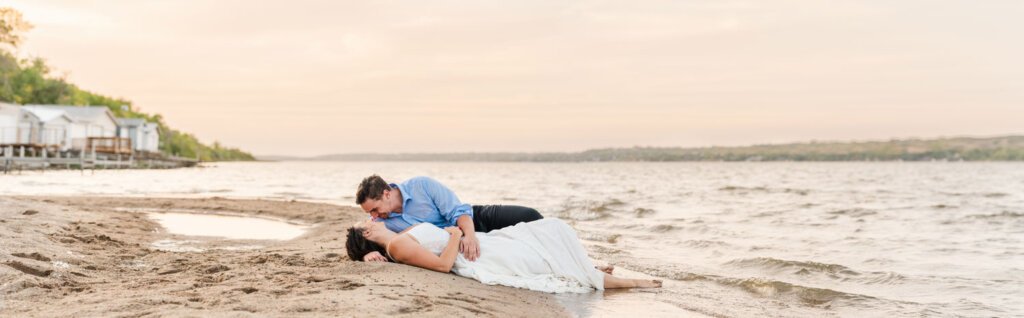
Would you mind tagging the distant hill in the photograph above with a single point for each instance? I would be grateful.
(1008, 148)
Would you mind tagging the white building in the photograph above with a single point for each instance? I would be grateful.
(47, 127)
(25, 126)
(86, 122)
(10, 115)
(145, 136)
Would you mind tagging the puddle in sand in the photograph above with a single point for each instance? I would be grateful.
(230, 227)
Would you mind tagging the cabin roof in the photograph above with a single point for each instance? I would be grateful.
(47, 114)
(84, 113)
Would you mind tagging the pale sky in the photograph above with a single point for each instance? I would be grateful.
(316, 77)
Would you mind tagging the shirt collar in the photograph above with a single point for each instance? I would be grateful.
(405, 195)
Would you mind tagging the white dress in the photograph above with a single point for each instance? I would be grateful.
(543, 255)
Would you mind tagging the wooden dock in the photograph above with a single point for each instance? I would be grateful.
(17, 157)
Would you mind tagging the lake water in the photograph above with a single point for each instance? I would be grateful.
(730, 239)
(226, 226)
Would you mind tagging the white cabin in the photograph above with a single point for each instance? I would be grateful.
(10, 115)
(42, 127)
(47, 127)
(144, 135)
(86, 122)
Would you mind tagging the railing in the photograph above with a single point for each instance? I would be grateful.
(109, 145)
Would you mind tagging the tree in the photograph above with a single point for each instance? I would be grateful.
(12, 26)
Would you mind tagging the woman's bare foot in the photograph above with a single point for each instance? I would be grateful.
(644, 283)
(607, 268)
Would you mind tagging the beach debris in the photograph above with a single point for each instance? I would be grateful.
(171, 271)
(345, 284)
(29, 212)
(33, 255)
(31, 269)
(216, 269)
(248, 290)
(315, 279)
(60, 264)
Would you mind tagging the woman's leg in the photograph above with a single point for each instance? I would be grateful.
(616, 282)
(487, 218)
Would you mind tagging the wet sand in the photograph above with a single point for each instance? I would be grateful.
(87, 256)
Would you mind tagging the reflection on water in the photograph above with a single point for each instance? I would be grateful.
(230, 227)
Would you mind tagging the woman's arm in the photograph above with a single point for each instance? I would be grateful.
(376, 257)
(407, 251)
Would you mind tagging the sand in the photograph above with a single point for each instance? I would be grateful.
(88, 256)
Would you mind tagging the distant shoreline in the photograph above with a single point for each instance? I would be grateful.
(1004, 148)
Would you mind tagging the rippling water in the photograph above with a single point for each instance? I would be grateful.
(732, 239)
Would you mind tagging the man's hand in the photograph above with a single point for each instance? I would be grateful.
(374, 257)
(470, 247)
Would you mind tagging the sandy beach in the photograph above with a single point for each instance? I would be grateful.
(88, 256)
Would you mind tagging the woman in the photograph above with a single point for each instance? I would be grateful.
(542, 255)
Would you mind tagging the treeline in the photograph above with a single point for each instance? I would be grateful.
(29, 81)
(1009, 148)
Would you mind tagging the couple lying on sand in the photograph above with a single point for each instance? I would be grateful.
(420, 222)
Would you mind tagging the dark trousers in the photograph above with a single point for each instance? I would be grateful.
(487, 218)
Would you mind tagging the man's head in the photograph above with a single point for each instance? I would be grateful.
(377, 198)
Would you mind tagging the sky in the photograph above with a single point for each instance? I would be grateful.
(318, 77)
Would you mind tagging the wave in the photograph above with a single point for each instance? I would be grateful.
(705, 243)
(1001, 215)
(662, 228)
(642, 212)
(590, 210)
(775, 288)
(854, 212)
(741, 188)
(768, 213)
(805, 268)
(598, 237)
(745, 190)
(773, 263)
(760, 286)
(978, 194)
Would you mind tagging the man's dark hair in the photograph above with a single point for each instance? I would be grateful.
(358, 246)
(372, 188)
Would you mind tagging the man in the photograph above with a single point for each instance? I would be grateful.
(422, 199)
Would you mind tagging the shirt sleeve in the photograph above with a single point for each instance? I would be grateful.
(446, 202)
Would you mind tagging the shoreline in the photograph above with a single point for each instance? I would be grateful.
(92, 256)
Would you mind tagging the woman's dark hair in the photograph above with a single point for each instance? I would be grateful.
(371, 188)
(358, 246)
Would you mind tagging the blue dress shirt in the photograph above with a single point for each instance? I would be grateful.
(424, 200)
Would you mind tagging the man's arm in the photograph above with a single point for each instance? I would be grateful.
(470, 246)
(455, 213)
